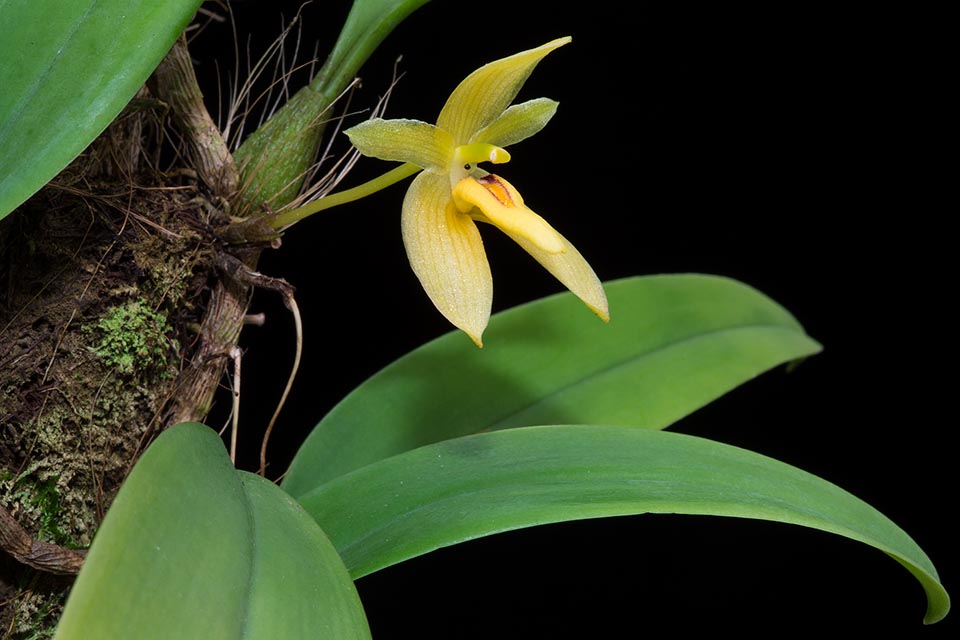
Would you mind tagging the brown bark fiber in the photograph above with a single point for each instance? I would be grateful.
(115, 323)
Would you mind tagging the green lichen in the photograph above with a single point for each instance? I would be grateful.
(133, 338)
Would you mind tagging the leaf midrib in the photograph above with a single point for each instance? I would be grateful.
(802, 511)
(633, 359)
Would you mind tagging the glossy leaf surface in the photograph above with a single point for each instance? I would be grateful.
(474, 486)
(66, 70)
(674, 344)
(193, 549)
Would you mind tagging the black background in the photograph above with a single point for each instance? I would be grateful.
(796, 148)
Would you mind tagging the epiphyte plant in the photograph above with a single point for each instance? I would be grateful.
(559, 418)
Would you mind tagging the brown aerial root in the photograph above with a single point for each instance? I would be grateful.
(38, 554)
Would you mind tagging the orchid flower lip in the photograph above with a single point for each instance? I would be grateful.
(492, 199)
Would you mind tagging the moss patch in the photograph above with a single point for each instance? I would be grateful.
(132, 337)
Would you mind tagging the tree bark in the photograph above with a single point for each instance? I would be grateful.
(115, 323)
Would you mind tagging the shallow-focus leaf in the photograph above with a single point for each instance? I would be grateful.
(674, 343)
(192, 549)
(66, 70)
(477, 485)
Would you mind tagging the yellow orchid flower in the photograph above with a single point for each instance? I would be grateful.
(443, 202)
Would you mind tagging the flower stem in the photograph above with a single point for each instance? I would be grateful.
(284, 219)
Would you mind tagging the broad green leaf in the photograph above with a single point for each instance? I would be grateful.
(674, 344)
(474, 486)
(193, 549)
(66, 70)
(299, 587)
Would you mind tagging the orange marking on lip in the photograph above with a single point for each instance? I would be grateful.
(496, 188)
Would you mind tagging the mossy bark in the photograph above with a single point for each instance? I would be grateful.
(104, 275)
(115, 322)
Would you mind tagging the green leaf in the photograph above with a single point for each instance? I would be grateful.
(369, 22)
(193, 549)
(674, 344)
(66, 70)
(474, 486)
(300, 587)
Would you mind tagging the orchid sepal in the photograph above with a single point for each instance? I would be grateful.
(487, 92)
(403, 140)
(446, 254)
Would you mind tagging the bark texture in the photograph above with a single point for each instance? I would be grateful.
(115, 323)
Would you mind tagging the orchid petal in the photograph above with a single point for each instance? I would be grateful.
(503, 206)
(571, 269)
(412, 141)
(518, 122)
(487, 92)
(446, 253)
